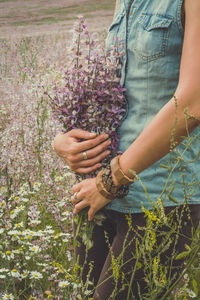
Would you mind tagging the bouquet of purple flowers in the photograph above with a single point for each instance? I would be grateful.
(90, 96)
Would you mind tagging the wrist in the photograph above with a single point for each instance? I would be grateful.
(119, 177)
(106, 186)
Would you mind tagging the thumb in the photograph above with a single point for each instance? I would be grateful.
(81, 134)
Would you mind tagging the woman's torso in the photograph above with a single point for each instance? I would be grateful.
(150, 37)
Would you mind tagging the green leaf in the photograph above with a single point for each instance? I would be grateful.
(182, 254)
(188, 248)
(164, 166)
(171, 190)
(172, 199)
(173, 182)
(195, 287)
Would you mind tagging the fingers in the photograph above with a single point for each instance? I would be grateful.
(71, 149)
(95, 156)
(91, 162)
(77, 195)
(81, 134)
(91, 213)
(81, 205)
(76, 187)
(89, 144)
(94, 152)
(87, 170)
(75, 198)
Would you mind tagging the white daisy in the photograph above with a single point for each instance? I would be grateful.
(9, 255)
(35, 249)
(19, 225)
(13, 232)
(58, 178)
(8, 296)
(36, 275)
(191, 294)
(14, 273)
(24, 274)
(3, 270)
(87, 292)
(63, 284)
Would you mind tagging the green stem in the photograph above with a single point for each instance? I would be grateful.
(164, 297)
(132, 277)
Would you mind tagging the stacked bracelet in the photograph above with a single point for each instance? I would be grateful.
(107, 188)
(105, 184)
(100, 186)
(116, 191)
(119, 174)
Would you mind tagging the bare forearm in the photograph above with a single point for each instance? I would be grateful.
(156, 139)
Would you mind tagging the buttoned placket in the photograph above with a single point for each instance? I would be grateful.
(127, 13)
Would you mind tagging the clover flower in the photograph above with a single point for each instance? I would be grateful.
(89, 96)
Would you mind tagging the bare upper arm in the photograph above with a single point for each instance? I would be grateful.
(190, 60)
(116, 5)
(188, 90)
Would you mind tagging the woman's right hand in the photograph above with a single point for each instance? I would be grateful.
(71, 145)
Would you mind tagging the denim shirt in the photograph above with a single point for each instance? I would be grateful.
(149, 34)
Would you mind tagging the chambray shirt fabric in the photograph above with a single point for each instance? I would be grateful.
(149, 34)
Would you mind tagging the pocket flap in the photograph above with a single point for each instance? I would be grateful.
(150, 22)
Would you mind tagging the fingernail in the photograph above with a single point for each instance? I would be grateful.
(107, 152)
(106, 136)
(109, 142)
(92, 134)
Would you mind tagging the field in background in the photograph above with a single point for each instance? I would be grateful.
(26, 17)
(36, 249)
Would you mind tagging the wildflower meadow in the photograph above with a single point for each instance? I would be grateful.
(36, 235)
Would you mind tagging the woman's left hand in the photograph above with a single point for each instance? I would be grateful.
(86, 194)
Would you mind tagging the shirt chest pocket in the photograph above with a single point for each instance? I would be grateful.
(152, 36)
(116, 33)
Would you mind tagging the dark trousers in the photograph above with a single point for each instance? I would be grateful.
(113, 282)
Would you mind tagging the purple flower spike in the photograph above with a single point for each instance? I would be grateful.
(91, 97)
